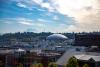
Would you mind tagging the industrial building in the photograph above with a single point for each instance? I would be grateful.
(87, 39)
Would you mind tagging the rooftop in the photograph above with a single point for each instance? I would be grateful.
(56, 37)
(87, 57)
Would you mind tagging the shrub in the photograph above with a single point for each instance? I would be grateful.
(72, 62)
(85, 65)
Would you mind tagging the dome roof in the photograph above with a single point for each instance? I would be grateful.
(56, 37)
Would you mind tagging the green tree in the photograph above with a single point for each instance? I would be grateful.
(52, 64)
(85, 65)
(72, 62)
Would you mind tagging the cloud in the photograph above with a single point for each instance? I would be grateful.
(25, 23)
(41, 20)
(38, 1)
(47, 5)
(55, 18)
(85, 12)
(21, 24)
(29, 22)
(43, 4)
(21, 5)
(40, 9)
(24, 4)
(7, 22)
(22, 19)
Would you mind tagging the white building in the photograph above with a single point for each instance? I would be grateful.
(57, 42)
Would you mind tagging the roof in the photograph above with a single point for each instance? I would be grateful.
(66, 56)
(87, 57)
(56, 37)
(19, 50)
(49, 54)
(71, 52)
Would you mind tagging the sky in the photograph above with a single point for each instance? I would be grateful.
(49, 16)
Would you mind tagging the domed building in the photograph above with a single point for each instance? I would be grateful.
(55, 40)
(57, 37)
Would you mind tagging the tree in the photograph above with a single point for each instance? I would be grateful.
(36, 65)
(85, 65)
(72, 62)
(20, 65)
(52, 64)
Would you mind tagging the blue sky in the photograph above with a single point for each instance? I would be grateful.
(23, 15)
(40, 16)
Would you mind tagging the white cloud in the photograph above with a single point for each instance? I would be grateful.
(21, 5)
(85, 12)
(25, 23)
(72, 7)
(37, 1)
(24, 4)
(39, 24)
(4, 21)
(29, 22)
(55, 18)
(22, 19)
(41, 9)
(47, 5)
(44, 5)
(42, 20)
(7, 22)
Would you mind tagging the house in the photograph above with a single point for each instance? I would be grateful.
(91, 60)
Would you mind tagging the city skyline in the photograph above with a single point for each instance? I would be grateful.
(49, 16)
